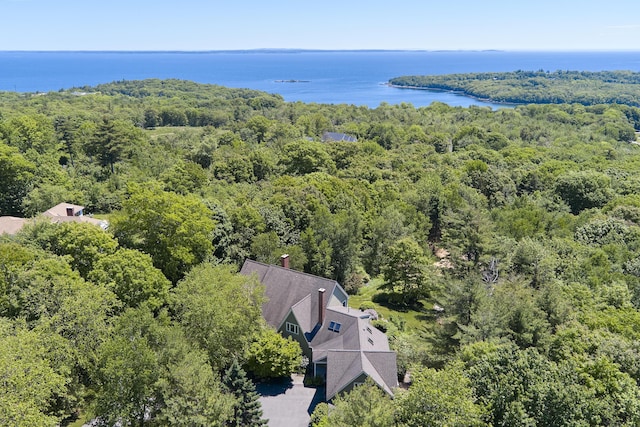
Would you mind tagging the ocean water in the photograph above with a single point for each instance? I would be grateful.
(333, 77)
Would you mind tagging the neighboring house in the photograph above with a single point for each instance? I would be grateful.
(11, 225)
(339, 341)
(63, 212)
(67, 212)
(335, 136)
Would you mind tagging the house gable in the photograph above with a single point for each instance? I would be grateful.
(285, 288)
(349, 367)
(290, 327)
(339, 297)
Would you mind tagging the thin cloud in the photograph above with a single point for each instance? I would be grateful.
(623, 27)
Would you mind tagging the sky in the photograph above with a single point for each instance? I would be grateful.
(324, 24)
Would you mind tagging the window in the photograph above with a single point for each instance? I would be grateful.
(370, 341)
(335, 326)
(292, 328)
(369, 330)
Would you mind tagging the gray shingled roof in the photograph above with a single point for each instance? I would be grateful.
(357, 348)
(348, 365)
(302, 311)
(336, 136)
(384, 364)
(284, 288)
(353, 335)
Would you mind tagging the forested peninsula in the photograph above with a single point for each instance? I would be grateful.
(500, 250)
(536, 87)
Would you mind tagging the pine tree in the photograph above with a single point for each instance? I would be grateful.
(247, 409)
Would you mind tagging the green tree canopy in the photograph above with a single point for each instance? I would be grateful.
(16, 176)
(439, 398)
(129, 368)
(29, 383)
(113, 140)
(175, 230)
(364, 406)
(130, 274)
(584, 189)
(85, 243)
(407, 271)
(220, 310)
(302, 157)
(190, 392)
(272, 356)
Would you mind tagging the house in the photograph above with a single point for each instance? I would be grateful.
(62, 212)
(338, 137)
(67, 212)
(339, 341)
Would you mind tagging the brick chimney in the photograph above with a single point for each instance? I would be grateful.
(321, 306)
(284, 261)
(69, 211)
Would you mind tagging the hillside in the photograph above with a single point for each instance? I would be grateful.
(502, 249)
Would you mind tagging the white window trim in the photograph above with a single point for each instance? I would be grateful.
(292, 328)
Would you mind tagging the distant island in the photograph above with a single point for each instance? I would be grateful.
(292, 81)
(535, 87)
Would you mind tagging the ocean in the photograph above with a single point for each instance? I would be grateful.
(332, 77)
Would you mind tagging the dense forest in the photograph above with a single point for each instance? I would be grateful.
(540, 87)
(518, 233)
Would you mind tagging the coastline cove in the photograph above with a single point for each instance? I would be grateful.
(330, 77)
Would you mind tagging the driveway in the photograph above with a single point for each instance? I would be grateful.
(289, 403)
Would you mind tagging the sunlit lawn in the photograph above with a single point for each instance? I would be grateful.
(415, 319)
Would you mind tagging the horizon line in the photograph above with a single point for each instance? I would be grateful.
(299, 50)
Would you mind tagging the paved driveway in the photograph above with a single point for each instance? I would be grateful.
(289, 403)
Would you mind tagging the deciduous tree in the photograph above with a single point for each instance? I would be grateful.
(439, 398)
(29, 383)
(272, 356)
(16, 175)
(130, 274)
(364, 406)
(175, 230)
(407, 271)
(219, 310)
(84, 242)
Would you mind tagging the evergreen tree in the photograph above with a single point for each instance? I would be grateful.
(247, 409)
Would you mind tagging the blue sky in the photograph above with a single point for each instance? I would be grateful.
(324, 24)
